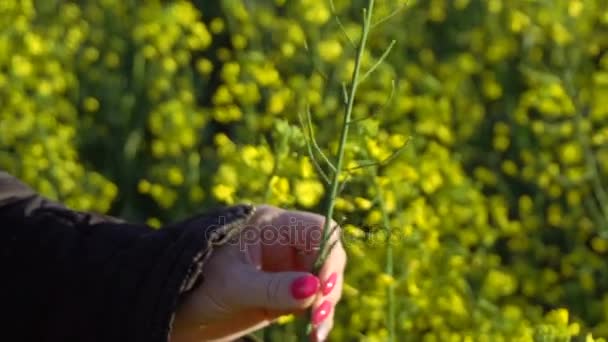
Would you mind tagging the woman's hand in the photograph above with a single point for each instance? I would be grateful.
(264, 274)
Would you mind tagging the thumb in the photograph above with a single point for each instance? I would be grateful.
(282, 291)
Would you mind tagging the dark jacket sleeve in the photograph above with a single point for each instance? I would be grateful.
(72, 276)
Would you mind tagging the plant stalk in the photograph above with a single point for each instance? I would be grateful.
(390, 291)
(335, 182)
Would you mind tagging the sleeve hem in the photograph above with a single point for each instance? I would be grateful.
(194, 247)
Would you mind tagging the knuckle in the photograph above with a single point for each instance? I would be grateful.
(273, 288)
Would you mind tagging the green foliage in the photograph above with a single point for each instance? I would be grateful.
(154, 110)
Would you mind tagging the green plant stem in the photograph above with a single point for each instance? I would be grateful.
(335, 182)
(324, 247)
(389, 268)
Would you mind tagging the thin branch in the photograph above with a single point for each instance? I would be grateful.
(386, 103)
(334, 229)
(314, 64)
(314, 141)
(389, 16)
(340, 25)
(344, 93)
(379, 61)
(396, 153)
(311, 154)
(324, 253)
(343, 185)
(383, 162)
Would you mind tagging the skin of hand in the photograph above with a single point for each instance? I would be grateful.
(262, 275)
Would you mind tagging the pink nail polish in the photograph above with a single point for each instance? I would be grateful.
(305, 287)
(329, 284)
(321, 312)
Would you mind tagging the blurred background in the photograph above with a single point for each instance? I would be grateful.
(498, 205)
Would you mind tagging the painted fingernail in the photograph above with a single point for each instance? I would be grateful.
(305, 287)
(329, 284)
(323, 331)
(321, 312)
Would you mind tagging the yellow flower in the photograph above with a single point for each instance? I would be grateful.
(204, 66)
(344, 205)
(285, 319)
(519, 21)
(330, 50)
(266, 75)
(280, 189)
(571, 153)
(21, 66)
(363, 203)
(199, 30)
(144, 186)
(559, 316)
(306, 168)
(159, 148)
(374, 217)
(227, 174)
(461, 4)
(432, 182)
(317, 13)
(575, 8)
(495, 6)
(386, 279)
(217, 25)
(296, 34)
(276, 104)
(90, 104)
(288, 49)
(599, 244)
(560, 34)
(501, 142)
(308, 192)
(239, 41)
(509, 167)
(224, 193)
(175, 176)
(492, 89)
(231, 72)
(154, 222)
(112, 60)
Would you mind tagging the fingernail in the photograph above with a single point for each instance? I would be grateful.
(329, 284)
(323, 331)
(321, 312)
(305, 287)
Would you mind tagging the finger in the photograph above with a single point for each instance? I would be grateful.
(290, 239)
(322, 315)
(284, 291)
(308, 252)
(332, 271)
(304, 231)
(321, 332)
(301, 229)
(324, 305)
(332, 278)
